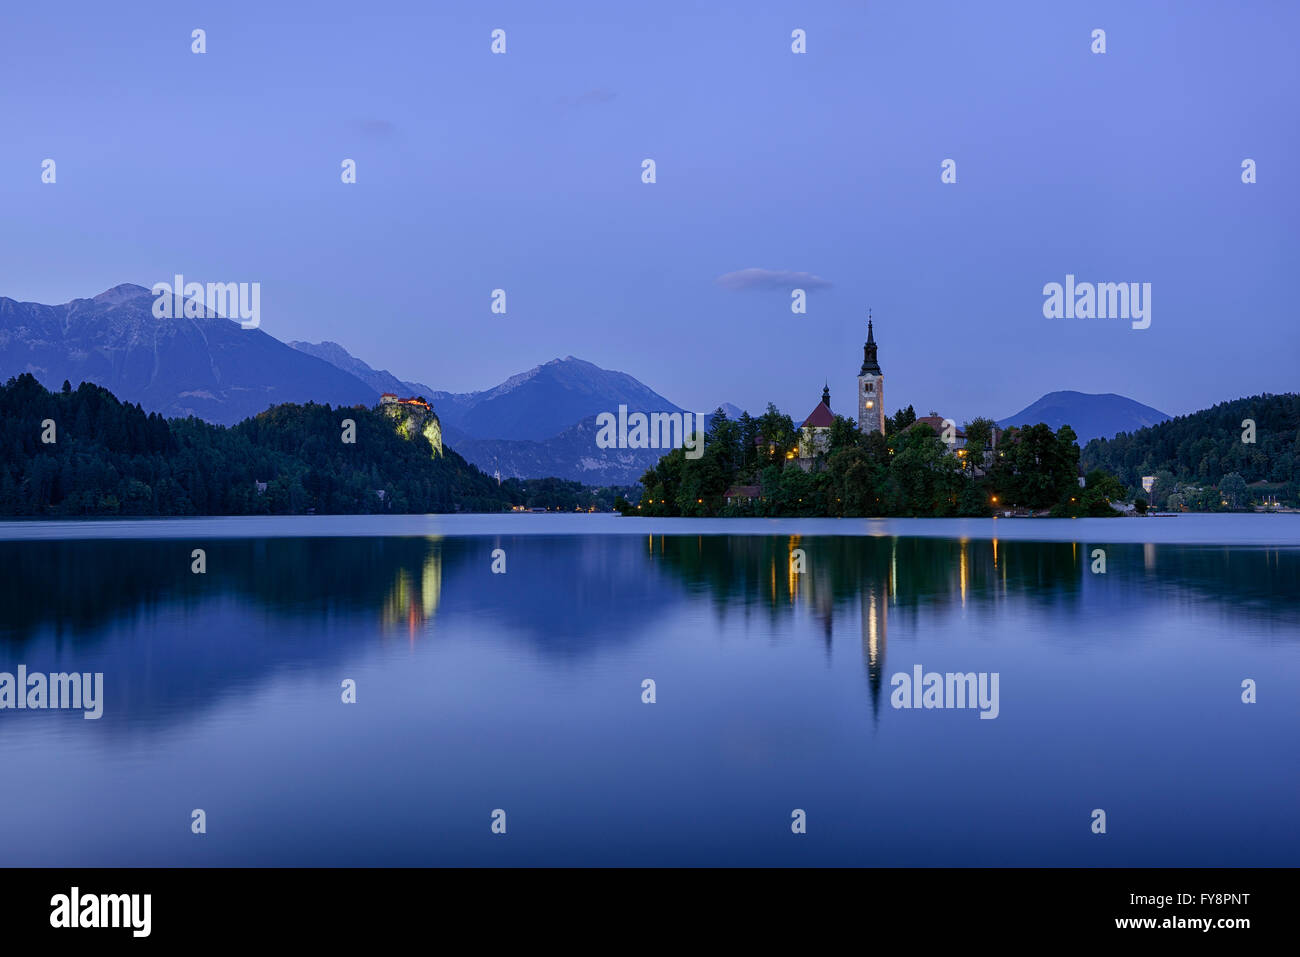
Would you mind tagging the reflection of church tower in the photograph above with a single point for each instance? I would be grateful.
(871, 388)
(875, 621)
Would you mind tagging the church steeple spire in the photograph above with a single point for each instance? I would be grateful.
(870, 364)
(826, 394)
(871, 386)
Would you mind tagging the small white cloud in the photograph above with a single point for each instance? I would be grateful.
(755, 278)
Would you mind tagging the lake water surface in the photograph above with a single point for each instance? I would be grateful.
(522, 691)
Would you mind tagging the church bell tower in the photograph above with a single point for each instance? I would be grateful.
(871, 387)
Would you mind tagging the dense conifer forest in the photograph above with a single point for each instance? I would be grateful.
(82, 452)
(1237, 452)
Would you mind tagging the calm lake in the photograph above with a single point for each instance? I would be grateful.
(523, 691)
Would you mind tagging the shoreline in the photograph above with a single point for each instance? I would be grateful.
(1213, 528)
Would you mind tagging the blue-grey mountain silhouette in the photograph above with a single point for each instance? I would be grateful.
(206, 367)
(1091, 416)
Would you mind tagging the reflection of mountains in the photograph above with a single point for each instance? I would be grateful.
(79, 589)
(172, 642)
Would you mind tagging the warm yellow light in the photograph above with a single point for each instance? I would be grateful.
(995, 500)
(870, 404)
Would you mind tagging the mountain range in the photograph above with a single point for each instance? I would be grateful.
(1092, 416)
(538, 423)
(206, 367)
(537, 404)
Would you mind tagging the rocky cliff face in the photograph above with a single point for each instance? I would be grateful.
(412, 420)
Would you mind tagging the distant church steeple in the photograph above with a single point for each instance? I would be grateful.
(871, 387)
(826, 395)
(870, 364)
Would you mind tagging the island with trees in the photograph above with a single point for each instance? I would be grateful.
(762, 466)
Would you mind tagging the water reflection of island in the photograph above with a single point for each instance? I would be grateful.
(173, 641)
(874, 580)
(869, 579)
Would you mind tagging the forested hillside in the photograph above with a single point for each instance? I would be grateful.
(1208, 448)
(83, 452)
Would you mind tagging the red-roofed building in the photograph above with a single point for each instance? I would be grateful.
(815, 433)
(821, 417)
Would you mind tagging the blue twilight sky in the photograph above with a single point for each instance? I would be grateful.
(523, 171)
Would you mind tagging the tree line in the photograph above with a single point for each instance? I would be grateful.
(83, 452)
(909, 471)
(1224, 457)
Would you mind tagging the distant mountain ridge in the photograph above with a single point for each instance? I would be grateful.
(1092, 416)
(573, 454)
(207, 367)
(549, 399)
(381, 380)
(535, 424)
(533, 405)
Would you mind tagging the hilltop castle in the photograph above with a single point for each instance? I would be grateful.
(413, 416)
